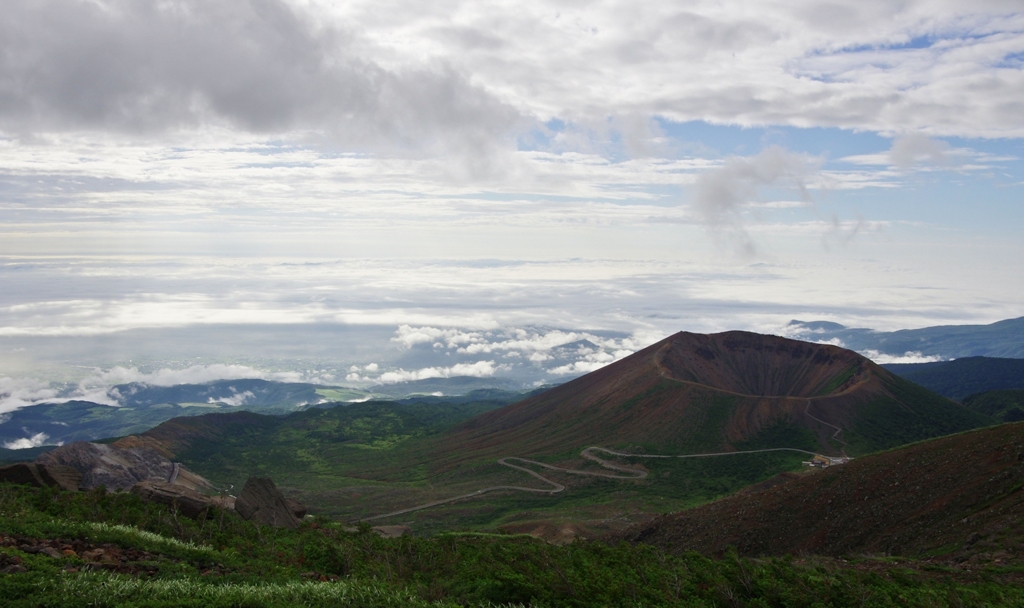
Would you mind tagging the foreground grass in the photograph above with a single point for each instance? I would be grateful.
(220, 560)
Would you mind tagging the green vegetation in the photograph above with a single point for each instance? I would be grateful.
(963, 377)
(1005, 406)
(838, 381)
(154, 557)
(672, 484)
(327, 447)
(366, 459)
(914, 414)
(782, 434)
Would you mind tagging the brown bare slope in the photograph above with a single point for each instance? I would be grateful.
(695, 393)
(954, 495)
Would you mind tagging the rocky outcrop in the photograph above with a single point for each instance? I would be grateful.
(120, 468)
(297, 508)
(261, 502)
(102, 464)
(40, 475)
(189, 502)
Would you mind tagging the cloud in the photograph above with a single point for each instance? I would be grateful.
(98, 387)
(262, 66)
(907, 357)
(915, 148)
(479, 369)
(194, 374)
(34, 441)
(236, 399)
(19, 392)
(721, 194)
(591, 361)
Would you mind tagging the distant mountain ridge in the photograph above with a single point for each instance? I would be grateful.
(1000, 339)
(961, 378)
(144, 406)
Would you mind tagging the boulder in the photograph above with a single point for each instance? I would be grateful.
(120, 467)
(189, 502)
(40, 475)
(103, 464)
(261, 502)
(297, 508)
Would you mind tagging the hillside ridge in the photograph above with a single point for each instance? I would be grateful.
(950, 495)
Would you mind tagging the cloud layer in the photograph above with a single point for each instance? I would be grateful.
(405, 73)
(262, 66)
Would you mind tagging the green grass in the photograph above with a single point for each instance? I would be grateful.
(221, 560)
(912, 415)
(838, 381)
(1004, 405)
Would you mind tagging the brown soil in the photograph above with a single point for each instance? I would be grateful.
(958, 497)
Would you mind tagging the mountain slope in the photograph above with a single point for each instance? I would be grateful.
(963, 377)
(956, 494)
(694, 393)
(1005, 406)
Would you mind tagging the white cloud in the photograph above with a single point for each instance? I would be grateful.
(235, 399)
(19, 392)
(195, 374)
(591, 361)
(28, 442)
(98, 387)
(907, 357)
(480, 369)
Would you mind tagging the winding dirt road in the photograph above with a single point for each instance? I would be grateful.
(556, 487)
(835, 436)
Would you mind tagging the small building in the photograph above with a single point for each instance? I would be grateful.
(823, 462)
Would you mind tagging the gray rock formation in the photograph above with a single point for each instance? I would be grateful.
(262, 502)
(40, 475)
(189, 502)
(102, 464)
(120, 468)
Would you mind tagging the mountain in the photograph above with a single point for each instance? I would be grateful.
(142, 406)
(1006, 406)
(446, 387)
(253, 394)
(957, 495)
(693, 393)
(1000, 339)
(962, 377)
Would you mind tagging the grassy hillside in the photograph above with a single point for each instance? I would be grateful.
(113, 550)
(1005, 406)
(963, 377)
(361, 460)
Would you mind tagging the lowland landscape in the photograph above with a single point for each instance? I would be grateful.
(728, 469)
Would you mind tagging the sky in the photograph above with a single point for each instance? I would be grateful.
(366, 192)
